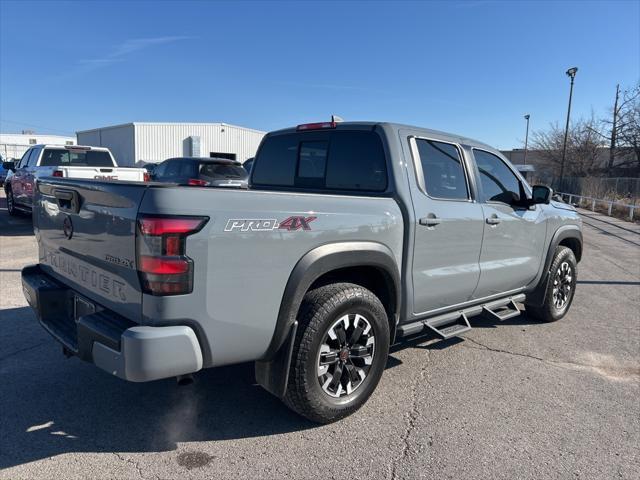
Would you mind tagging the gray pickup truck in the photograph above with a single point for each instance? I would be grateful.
(351, 237)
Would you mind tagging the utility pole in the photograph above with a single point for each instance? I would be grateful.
(614, 133)
(571, 73)
(526, 138)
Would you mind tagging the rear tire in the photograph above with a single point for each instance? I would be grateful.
(561, 287)
(11, 204)
(339, 354)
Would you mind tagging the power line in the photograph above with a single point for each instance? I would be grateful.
(37, 126)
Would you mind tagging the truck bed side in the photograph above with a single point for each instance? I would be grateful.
(246, 252)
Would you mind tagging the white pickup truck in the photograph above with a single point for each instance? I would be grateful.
(72, 161)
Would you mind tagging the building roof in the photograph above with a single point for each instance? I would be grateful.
(220, 124)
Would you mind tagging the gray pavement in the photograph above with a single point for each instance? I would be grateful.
(515, 399)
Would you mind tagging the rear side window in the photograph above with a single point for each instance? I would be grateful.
(442, 169)
(222, 171)
(331, 160)
(52, 157)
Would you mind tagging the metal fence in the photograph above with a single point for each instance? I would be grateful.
(614, 189)
(593, 203)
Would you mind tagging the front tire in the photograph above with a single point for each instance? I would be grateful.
(561, 287)
(339, 354)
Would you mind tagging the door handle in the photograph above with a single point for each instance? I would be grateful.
(493, 220)
(430, 220)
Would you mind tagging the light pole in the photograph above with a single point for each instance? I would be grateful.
(526, 138)
(571, 73)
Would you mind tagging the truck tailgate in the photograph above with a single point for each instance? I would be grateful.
(104, 173)
(86, 233)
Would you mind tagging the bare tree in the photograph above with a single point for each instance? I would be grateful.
(618, 130)
(628, 127)
(584, 148)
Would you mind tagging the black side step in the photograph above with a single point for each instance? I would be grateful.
(503, 312)
(449, 328)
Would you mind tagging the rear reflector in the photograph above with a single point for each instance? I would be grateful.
(57, 173)
(196, 182)
(316, 126)
(163, 265)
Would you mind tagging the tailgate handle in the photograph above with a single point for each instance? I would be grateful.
(67, 200)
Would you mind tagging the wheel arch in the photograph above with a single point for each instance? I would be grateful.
(369, 264)
(568, 236)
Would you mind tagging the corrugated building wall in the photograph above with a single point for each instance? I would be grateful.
(155, 142)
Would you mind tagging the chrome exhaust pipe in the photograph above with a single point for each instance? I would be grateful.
(184, 380)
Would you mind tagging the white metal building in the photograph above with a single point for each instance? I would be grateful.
(136, 142)
(13, 145)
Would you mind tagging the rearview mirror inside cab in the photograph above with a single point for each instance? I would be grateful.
(542, 194)
(9, 166)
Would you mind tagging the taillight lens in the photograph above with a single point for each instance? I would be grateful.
(163, 267)
(57, 173)
(196, 182)
(316, 126)
(146, 177)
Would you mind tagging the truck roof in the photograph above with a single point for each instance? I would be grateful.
(435, 134)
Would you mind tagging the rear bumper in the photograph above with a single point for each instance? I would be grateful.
(120, 347)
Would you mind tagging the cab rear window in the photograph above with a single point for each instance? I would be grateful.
(54, 157)
(327, 160)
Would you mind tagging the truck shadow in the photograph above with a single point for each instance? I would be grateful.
(18, 226)
(50, 405)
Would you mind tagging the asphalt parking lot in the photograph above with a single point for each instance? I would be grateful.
(516, 399)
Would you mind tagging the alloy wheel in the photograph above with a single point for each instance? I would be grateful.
(346, 355)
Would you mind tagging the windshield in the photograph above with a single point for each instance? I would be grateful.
(82, 158)
(223, 171)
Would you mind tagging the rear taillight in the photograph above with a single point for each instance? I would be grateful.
(196, 182)
(146, 177)
(163, 267)
(57, 173)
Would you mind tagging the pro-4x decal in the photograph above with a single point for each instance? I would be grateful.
(293, 223)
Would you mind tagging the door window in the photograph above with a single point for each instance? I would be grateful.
(33, 158)
(172, 169)
(499, 183)
(442, 170)
(25, 158)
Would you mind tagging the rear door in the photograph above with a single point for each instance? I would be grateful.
(19, 177)
(514, 235)
(30, 175)
(448, 229)
(87, 238)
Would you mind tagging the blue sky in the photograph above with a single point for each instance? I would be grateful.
(473, 68)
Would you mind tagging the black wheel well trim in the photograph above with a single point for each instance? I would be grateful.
(567, 232)
(321, 261)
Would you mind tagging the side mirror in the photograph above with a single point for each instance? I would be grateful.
(9, 166)
(541, 194)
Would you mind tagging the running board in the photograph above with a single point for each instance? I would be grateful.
(446, 328)
(454, 323)
(502, 312)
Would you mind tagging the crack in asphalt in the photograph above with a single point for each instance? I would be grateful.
(132, 462)
(26, 349)
(412, 417)
(565, 365)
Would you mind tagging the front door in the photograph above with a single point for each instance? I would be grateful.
(448, 227)
(514, 235)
